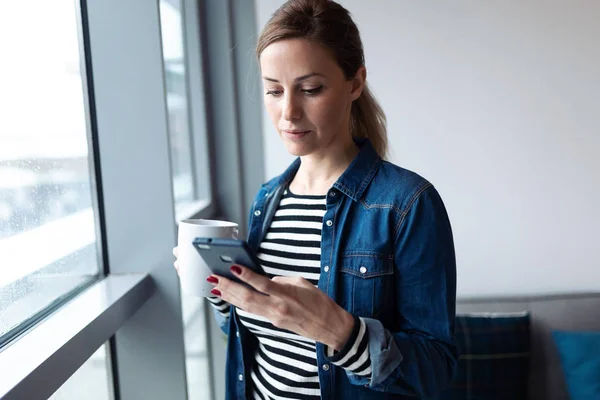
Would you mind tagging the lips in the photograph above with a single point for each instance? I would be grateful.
(295, 134)
(295, 131)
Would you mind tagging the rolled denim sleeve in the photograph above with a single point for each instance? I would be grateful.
(419, 358)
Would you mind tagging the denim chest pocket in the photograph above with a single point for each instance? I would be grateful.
(366, 282)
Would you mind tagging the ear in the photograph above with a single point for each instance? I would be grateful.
(358, 82)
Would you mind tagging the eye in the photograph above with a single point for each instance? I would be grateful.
(312, 92)
(274, 93)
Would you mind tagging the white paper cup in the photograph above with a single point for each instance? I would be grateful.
(193, 271)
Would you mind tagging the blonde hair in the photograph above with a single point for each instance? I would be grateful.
(329, 24)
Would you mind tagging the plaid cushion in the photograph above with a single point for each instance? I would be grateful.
(494, 361)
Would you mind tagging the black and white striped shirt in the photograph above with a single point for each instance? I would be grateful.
(285, 364)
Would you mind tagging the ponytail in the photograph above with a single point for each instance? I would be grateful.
(367, 120)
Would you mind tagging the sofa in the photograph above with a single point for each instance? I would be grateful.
(547, 313)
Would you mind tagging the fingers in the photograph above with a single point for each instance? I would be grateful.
(260, 282)
(239, 295)
(176, 254)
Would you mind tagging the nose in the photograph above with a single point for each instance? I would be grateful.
(292, 110)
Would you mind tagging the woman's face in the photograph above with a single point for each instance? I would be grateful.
(307, 96)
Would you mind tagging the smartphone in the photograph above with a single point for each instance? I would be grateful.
(220, 254)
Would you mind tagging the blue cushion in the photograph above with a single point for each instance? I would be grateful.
(580, 358)
(494, 360)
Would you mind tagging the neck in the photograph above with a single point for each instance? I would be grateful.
(318, 172)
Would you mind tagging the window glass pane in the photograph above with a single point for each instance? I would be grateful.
(90, 382)
(183, 164)
(196, 359)
(47, 222)
(171, 16)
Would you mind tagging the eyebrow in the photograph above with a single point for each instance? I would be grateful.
(298, 79)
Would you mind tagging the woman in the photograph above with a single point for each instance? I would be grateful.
(359, 300)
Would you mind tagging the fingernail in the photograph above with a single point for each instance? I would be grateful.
(236, 270)
(216, 292)
(212, 279)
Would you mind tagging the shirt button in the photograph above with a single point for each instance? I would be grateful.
(257, 213)
(329, 222)
(325, 367)
(363, 270)
(237, 334)
(332, 193)
(326, 269)
(241, 377)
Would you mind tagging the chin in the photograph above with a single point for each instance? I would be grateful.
(298, 149)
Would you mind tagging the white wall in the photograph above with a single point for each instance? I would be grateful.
(498, 104)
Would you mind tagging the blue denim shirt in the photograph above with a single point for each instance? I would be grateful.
(387, 243)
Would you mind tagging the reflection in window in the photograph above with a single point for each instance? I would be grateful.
(196, 355)
(47, 224)
(172, 27)
(90, 382)
(171, 16)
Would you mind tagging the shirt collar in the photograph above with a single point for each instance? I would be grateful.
(355, 179)
(360, 172)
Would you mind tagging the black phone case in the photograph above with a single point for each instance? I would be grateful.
(220, 254)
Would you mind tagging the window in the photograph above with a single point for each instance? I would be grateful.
(91, 381)
(48, 240)
(55, 134)
(196, 354)
(180, 138)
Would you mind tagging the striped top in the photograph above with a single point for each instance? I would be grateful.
(285, 364)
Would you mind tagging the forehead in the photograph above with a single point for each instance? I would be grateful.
(290, 58)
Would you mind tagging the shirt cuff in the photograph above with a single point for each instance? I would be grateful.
(354, 356)
(220, 305)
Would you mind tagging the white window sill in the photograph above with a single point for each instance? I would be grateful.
(40, 361)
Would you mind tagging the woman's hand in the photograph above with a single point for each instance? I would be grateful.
(290, 303)
(176, 264)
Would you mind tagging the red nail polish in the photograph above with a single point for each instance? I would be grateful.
(216, 292)
(212, 279)
(236, 270)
